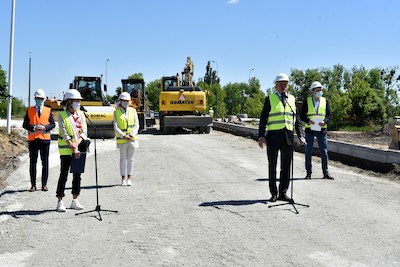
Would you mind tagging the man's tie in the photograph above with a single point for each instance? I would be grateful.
(39, 112)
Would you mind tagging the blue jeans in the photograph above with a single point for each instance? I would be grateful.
(322, 144)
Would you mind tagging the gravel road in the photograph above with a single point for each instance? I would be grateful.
(200, 200)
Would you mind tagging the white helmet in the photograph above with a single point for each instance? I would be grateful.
(40, 93)
(124, 96)
(282, 77)
(315, 85)
(72, 94)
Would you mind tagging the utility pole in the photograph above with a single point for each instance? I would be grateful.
(29, 86)
(10, 70)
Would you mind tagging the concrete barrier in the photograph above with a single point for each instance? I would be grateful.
(366, 158)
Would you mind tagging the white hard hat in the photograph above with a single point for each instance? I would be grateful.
(124, 96)
(72, 94)
(315, 85)
(40, 93)
(282, 77)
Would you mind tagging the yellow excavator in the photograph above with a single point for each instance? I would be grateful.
(182, 104)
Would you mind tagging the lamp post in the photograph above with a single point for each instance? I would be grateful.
(10, 70)
(29, 85)
(217, 88)
(250, 75)
(106, 74)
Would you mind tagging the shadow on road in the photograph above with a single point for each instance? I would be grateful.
(233, 203)
(18, 213)
(8, 192)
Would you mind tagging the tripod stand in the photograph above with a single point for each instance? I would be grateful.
(291, 201)
(98, 208)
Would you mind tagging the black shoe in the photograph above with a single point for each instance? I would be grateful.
(284, 197)
(308, 177)
(272, 199)
(327, 176)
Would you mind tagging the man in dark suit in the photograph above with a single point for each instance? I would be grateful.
(279, 115)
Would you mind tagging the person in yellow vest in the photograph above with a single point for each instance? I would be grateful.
(126, 126)
(39, 122)
(277, 115)
(316, 113)
(211, 112)
(72, 133)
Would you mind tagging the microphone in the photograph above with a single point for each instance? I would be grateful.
(83, 109)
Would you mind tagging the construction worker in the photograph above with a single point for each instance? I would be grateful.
(126, 126)
(211, 112)
(73, 133)
(316, 113)
(278, 114)
(39, 122)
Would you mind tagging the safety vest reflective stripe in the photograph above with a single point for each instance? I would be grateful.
(280, 116)
(63, 147)
(34, 120)
(125, 126)
(312, 113)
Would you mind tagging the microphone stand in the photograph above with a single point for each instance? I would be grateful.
(98, 207)
(291, 201)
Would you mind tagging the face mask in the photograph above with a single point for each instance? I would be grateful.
(39, 103)
(76, 105)
(318, 94)
(124, 104)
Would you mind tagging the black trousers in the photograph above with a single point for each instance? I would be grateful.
(276, 143)
(64, 170)
(34, 147)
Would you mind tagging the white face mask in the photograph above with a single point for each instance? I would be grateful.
(124, 104)
(318, 94)
(76, 105)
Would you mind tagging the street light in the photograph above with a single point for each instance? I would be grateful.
(106, 74)
(217, 88)
(250, 74)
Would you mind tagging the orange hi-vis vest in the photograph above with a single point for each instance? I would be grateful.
(34, 120)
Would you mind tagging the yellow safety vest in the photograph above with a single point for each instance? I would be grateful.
(312, 113)
(124, 125)
(281, 117)
(63, 147)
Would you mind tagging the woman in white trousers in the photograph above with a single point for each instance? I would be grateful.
(126, 127)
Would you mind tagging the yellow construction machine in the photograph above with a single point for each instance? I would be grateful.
(136, 88)
(99, 110)
(182, 104)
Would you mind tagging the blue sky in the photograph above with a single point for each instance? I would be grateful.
(76, 37)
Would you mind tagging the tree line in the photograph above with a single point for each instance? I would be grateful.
(358, 96)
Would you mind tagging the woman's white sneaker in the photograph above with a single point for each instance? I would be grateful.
(123, 182)
(61, 207)
(129, 182)
(76, 205)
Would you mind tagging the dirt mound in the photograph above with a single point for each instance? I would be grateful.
(11, 147)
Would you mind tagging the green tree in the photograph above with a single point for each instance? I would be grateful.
(367, 106)
(153, 94)
(235, 99)
(3, 83)
(18, 109)
(212, 93)
(137, 75)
